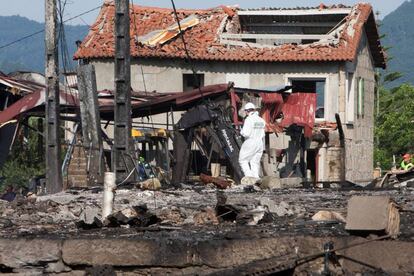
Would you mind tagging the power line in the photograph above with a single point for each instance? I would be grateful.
(41, 31)
(82, 14)
(142, 69)
(21, 39)
(190, 61)
(64, 48)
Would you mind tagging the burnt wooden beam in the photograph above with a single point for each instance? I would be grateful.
(40, 137)
(342, 144)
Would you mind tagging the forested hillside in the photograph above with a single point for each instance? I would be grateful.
(28, 54)
(398, 28)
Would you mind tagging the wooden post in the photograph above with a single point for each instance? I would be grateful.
(40, 144)
(123, 123)
(53, 147)
(91, 123)
(342, 143)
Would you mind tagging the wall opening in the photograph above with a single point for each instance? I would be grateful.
(288, 26)
(312, 86)
(191, 81)
(312, 163)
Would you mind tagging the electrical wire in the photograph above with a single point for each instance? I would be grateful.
(65, 58)
(187, 53)
(64, 49)
(295, 262)
(141, 67)
(64, 53)
(21, 39)
(317, 255)
(42, 30)
(145, 90)
(61, 34)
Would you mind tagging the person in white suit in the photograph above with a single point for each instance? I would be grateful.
(253, 131)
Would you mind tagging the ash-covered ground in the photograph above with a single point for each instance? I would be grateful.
(195, 212)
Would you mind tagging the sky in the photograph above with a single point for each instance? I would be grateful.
(34, 9)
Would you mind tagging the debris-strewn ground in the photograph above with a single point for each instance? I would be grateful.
(197, 230)
(287, 211)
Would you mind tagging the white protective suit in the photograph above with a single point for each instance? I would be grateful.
(252, 149)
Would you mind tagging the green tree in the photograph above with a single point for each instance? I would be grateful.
(394, 128)
(24, 161)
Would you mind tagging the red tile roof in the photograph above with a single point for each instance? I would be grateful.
(203, 39)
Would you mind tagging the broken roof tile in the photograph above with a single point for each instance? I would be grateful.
(203, 38)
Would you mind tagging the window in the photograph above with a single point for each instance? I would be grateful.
(350, 99)
(361, 97)
(312, 86)
(191, 81)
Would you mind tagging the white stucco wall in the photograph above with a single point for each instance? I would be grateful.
(167, 75)
(164, 75)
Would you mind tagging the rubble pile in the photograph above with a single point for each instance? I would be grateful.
(289, 209)
(189, 216)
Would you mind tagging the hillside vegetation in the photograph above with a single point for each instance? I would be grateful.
(28, 54)
(398, 30)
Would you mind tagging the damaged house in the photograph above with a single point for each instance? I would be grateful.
(311, 72)
(331, 51)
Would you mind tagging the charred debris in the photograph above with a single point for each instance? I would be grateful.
(203, 142)
(185, 177)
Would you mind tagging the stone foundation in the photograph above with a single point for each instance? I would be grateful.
(180, 256)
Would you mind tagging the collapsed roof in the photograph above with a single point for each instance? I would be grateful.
(298, 108)
(229, 34)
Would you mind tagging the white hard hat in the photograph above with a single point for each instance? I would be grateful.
(249, 106)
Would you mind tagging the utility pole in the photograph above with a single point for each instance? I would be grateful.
(91, 123)
(123, 123)
(53, 147)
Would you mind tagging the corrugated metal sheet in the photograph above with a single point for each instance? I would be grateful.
(272, 106)
(142, 104)
(299, 109)
(35, 100)
(18, 87)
